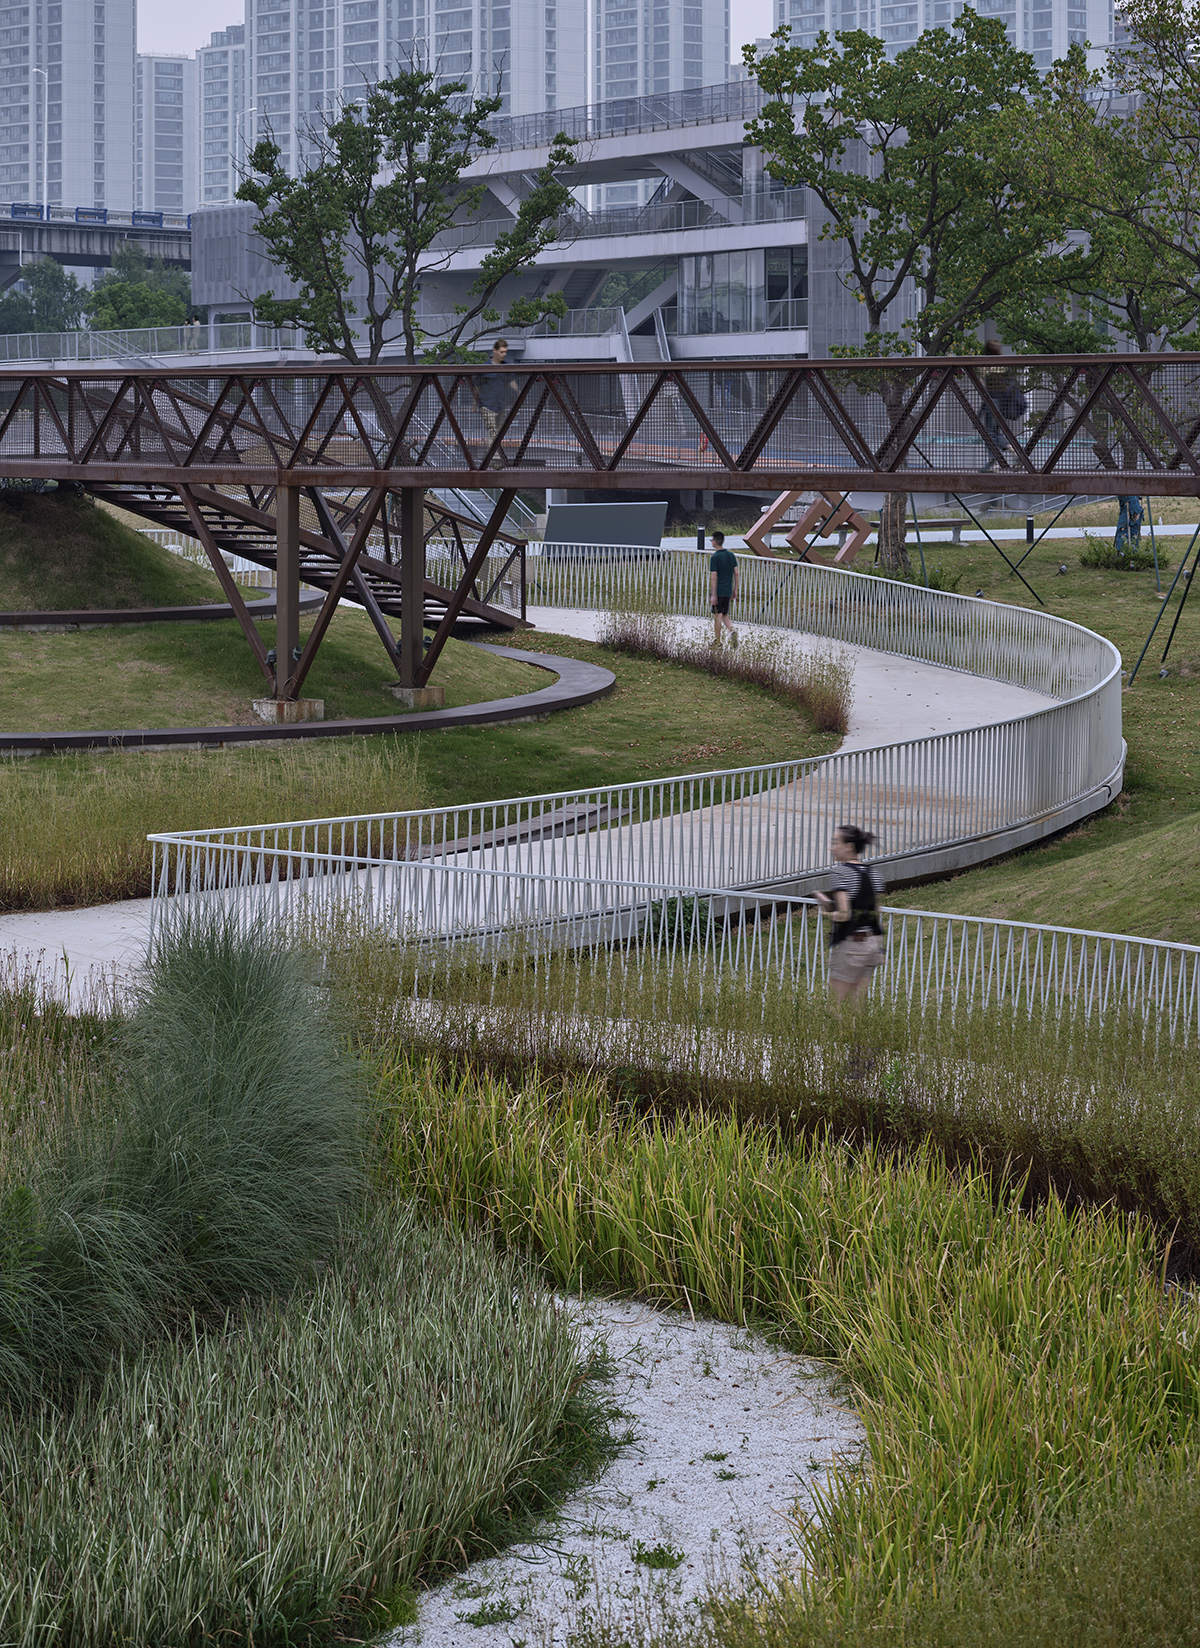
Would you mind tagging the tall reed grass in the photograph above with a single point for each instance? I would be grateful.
(1100, 1111)
(73, 829)
(818, 682)
(207, 1162)
(1009, 1365)
(288, 1479)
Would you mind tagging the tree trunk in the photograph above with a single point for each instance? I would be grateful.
(893, 550)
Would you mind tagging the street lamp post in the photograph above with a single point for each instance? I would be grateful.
(241, 133)
(45, 143)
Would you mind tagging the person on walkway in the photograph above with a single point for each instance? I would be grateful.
(1004, 387)
(493, 394)
(1129, 524)
(722, 588)
(852, 903)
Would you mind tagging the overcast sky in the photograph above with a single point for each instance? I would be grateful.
(171, 26)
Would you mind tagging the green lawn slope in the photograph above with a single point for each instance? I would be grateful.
(1134, 868)
(59, 551)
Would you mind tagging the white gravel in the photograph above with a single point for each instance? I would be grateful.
(726, 1435)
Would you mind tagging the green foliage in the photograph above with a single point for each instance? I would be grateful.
(119, 305)
(1010, 1362)
(217, 1172)
(936, 201)
(47, 298)
(1102, 552)
(138, 292)
(386, 185)
(289, 1477)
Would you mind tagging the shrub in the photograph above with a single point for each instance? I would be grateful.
(294, 1474)
(214, 1167)
(1101, 552)
(820, 683)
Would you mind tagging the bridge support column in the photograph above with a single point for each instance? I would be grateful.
(412, 585)
(287, 584)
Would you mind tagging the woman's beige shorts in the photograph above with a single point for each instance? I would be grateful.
(855, 958)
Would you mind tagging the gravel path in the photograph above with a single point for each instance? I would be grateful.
(728, 1434)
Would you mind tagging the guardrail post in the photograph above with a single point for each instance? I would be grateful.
(412, 583)
(287, 582)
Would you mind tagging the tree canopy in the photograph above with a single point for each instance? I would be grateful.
(934, 194)
(47, 299)
(386, 184)
(138, 291)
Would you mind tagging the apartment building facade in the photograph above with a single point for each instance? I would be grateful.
(165, 134)
(1044, 28)
(67, 96)
(221, 114)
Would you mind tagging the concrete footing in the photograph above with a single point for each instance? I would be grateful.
(289, 709)
(420, 698)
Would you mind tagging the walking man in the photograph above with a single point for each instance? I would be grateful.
(722, 587)
(493, 392)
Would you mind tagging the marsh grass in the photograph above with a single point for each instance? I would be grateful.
(1010, 1365)
(74, 828)
(1103, 1112)
(205, 1161)
(819, 682)
(290, 1477)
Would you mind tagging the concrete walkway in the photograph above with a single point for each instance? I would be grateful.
(83, 953)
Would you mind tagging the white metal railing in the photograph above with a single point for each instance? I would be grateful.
(244, 572)
(591, 946)
(137, 342)
(765, 825)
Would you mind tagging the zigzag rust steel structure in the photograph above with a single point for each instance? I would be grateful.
(310, 471)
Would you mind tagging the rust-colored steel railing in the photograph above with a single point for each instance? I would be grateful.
(1087, 424)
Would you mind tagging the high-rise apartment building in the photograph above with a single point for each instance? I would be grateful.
(303, 60)
(165, 135)
(67, 72)
(659, 46)
(221, 97)
(1044, 28)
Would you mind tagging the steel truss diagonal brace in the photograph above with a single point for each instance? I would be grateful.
(337, 588)
(454, 607)
(361, 587)
(232, 593)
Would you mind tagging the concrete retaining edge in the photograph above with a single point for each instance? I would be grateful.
(578, 683)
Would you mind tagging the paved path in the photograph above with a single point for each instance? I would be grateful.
(894, 699)
(729, 1436)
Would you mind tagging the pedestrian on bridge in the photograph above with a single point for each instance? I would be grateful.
(722, 588)
(493, 395)
(1008, 397)
(852, 904)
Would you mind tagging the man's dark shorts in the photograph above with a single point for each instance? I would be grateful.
(721, 604)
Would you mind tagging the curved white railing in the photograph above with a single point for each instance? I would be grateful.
(969, 794)
(707, 868)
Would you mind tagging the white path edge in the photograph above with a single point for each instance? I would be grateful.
(729, 1437)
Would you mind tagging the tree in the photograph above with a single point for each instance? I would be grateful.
(387, 184)
(47, 299)
(926, 194)
(138, 291)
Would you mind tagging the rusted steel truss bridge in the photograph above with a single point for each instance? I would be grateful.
(322, 474)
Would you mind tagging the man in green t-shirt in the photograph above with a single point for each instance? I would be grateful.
(722, 587)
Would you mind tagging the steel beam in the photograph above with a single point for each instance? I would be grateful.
(287, 586)
(412, 584)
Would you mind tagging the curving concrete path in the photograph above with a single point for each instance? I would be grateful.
(86, 951)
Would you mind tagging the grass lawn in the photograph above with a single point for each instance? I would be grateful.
(58, 551)
(1134, 868)
(182, 675)
(661, 719)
